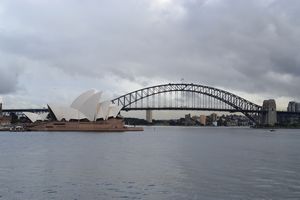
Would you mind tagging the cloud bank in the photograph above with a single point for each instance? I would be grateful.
(251, 47)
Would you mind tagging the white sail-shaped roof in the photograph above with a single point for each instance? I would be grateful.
(33, 117)
(103, 110)
(81, 99)
(86, 106)
(90, 106)
(44, 116)
(67, 113)
(114, 110)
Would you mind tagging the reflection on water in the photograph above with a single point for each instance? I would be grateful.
(159, 163)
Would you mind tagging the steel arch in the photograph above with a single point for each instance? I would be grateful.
(238, 103)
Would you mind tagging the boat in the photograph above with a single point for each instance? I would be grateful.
(110, 125)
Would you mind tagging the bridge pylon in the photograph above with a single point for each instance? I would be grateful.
(269, 114)
(149, 116)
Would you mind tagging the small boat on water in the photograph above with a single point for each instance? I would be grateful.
(272, 130)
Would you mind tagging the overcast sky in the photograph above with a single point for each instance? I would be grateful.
(52, 50)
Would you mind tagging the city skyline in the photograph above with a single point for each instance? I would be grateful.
(53, 50)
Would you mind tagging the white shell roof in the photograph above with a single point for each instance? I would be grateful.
(44, 116)
(103, 110)
(86, 106)
(114, 110)
(89, 107)
(77, 103)
(67, 113)
(33, 117)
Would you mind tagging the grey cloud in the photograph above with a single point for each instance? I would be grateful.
(8, 80)
(239, 45)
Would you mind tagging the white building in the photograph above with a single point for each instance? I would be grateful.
(88, 106)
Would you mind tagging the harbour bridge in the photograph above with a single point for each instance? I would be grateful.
(187, 96)
(181, 96)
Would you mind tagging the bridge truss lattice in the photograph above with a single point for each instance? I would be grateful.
(184, 96)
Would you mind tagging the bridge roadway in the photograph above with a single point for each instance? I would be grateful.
(195, 109)
(34, 110)
(41, 110)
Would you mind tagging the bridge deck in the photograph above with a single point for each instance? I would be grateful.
(196, 109)
(35, 110)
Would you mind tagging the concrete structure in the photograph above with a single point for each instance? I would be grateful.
(5, 121)
(293, 106)
(203, 120)
(149, 116)
(196, 119)
(288, 118)
(214, 117)
(110, 125)
(188, 120)
(269, 115)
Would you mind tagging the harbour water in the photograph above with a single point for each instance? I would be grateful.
(159, 163)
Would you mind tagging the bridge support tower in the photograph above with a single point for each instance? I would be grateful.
(269, 114)
(149, 116)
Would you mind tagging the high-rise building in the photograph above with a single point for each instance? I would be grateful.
(214, 117)
(293, 106)
(203, 120)
(297, 107)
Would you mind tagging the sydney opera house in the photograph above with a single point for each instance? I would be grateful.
(86, 113)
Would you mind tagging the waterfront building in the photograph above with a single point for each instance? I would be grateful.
(4, 120)
(297, 107)
(86, 107)
(293, 106)
(214, 117)
(203, 120)
(187, 119)
(196, 119)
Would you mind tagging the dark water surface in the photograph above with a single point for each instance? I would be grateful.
(159, 163)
